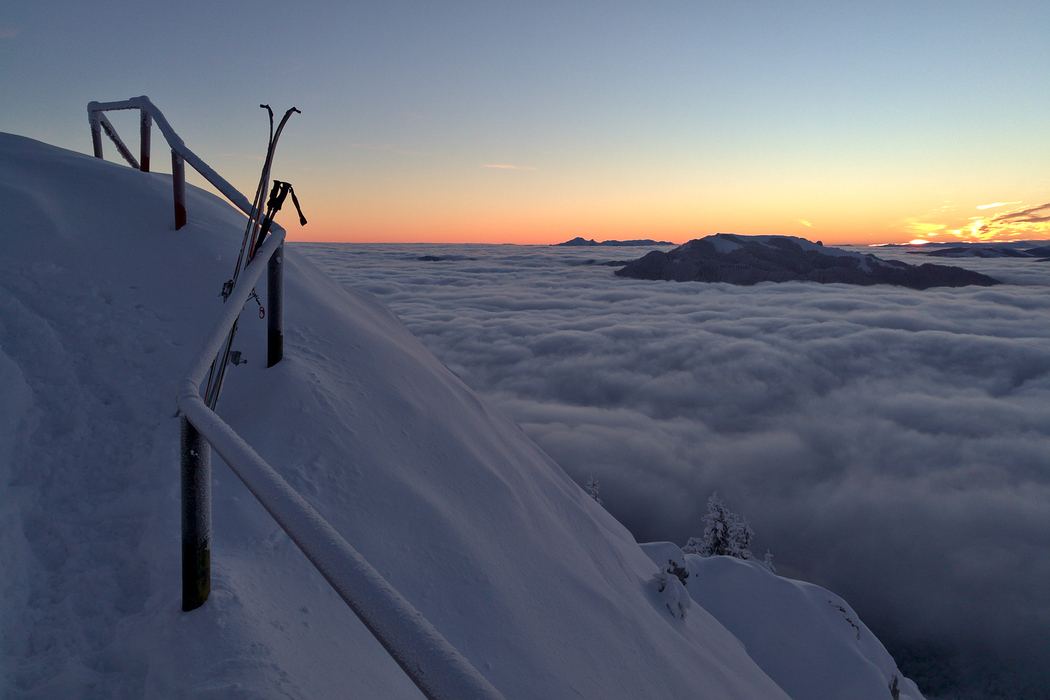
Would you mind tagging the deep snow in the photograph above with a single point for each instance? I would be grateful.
(102, 306)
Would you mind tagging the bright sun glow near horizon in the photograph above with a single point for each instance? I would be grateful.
(487, 123)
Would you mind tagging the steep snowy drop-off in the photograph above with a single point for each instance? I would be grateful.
(806, 638)
(102, 306)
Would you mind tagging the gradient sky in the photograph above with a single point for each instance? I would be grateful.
(497, 122)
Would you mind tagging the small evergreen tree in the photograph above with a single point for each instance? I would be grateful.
(725, 533)
(592, 489)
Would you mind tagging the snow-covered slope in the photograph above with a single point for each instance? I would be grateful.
(102, 305)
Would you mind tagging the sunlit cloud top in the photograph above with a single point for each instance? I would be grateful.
(1031, 222)
(923, 228)
(996, 205)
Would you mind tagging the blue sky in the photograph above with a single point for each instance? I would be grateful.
(847, 122)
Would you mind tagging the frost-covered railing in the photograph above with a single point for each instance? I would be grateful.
(180, 154)
(434, 665)
(148, 114)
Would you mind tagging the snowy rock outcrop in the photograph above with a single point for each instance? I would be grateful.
(806, 638)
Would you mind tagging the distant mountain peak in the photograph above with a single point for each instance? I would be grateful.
(746, 260)
(581, 241)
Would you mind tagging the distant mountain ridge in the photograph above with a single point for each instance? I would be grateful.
(985, 251)
(747, 260)
(580, 241)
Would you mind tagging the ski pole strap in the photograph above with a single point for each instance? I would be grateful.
(295, 201)
(277, 196)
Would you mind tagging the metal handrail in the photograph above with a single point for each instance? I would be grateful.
(179, 152)
(433, 664)
(437, 668)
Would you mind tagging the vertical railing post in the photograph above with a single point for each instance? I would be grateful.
(145, 122)
(196, 517)
(178, 183)
(96, 133)
(275, 307)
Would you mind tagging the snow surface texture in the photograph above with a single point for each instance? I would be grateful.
(102, 305)
(770, 614)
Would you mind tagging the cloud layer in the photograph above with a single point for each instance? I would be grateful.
(1027, 223)
(889, 444)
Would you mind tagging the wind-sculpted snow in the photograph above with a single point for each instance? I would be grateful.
(770, 613)
(752, 259)
(888, 444)
(102, 307)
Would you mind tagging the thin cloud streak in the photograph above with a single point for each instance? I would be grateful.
(1031, 222)
(996, 205)
(374, 146)
(505, 166)
(1025, 224)
(1027, 215)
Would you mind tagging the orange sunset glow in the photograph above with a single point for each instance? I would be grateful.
(536, 124)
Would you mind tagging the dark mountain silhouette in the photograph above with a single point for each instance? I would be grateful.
(978, 252)
(748, 260)
(580, 241)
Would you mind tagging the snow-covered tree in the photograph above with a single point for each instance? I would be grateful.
(726, 533)
(677, 569)
(669, 589)
(592, 489)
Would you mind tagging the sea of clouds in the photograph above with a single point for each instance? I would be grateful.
(889, 444)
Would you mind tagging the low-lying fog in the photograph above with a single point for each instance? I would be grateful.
(892, 445)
